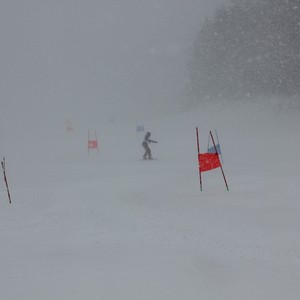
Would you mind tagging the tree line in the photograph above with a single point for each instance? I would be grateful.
(247, 49)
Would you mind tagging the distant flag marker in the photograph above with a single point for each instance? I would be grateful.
(140, 128)
(93, 143)
(69, 126)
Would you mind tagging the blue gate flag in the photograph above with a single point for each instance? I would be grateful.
(213, 150)
(139, 128)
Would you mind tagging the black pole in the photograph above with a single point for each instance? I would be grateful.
(5, 179)
(198, 146)
(212, 138)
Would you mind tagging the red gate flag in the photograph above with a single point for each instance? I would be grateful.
(208, 161)
(93, 145)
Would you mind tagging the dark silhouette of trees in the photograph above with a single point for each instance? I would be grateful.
(248, 49)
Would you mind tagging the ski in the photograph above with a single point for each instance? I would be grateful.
(148, 159)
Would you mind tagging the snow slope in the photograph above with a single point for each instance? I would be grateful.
(115, 227)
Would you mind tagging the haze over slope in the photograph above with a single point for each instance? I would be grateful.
(112, 226)
(93, 59)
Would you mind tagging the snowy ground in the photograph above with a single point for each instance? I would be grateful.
(115, 227)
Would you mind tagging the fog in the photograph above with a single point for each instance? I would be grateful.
(97, 64)
(108, 224)
(94, 60)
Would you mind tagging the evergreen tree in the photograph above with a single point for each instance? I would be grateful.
(248, 49)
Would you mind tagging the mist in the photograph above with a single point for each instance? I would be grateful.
(104, 223)
(94, 60)
(96, 64)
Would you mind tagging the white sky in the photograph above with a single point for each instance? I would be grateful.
(64, 58)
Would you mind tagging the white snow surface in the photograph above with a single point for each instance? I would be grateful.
(114, 227)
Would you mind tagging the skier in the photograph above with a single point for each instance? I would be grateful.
(146, 147)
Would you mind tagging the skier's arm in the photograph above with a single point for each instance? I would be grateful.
(150, 141)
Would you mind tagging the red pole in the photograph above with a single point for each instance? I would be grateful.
(97, 142)
(212, 138)
(5, 179)
(198, 147)
(89, 142)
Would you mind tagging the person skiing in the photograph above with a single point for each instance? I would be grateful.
(146, 147)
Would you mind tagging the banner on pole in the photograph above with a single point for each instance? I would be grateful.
(140, 128)
(69, 126)
(210, 160)
(93, 143)
(213, 150)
